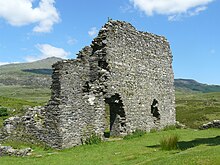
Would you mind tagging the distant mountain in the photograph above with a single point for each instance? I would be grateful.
(194, 86)
(40, 64)
(37, 74)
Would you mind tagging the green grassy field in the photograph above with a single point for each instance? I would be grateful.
(195, 147)
(38, 95)
(195, 109)
(16, 98)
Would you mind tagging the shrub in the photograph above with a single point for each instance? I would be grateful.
(93, 139)
(3, 111)
(169, 142)
(135, 134)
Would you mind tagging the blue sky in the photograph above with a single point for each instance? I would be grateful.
(35, 29)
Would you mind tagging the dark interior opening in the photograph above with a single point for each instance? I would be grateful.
(115, 116)
(103, 64)
(154, 109)
(86, 87)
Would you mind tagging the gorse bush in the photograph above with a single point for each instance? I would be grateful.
(135, 134)
(93, 139)
(3, 111)
(169, 142)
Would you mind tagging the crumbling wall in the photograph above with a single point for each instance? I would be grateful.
(131, 71)
(126, 70)
(74, 111)
(141, 70)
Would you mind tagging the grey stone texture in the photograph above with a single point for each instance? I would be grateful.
(213, 124)
(124, 70)
(9, 151)
(120, 83)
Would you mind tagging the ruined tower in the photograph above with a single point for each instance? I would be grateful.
(122, 82)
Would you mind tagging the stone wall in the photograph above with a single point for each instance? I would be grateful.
(128, 71)
(122, 82)
(140, 65)
(9, 151)
(212, 124)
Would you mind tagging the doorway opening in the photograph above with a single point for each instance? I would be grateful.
(115, 116)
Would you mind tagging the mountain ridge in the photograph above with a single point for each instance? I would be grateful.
(43, 63)
(194, 86)
(34, 74)
(38, 74)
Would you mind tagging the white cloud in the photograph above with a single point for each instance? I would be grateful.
(197, 10)
(5, 63)
(93, 32)
(48, 51)
(175, 9)
(22, 12)
(71, 41)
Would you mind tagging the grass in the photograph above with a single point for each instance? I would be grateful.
(169, 142)
(16, 104)
(16, 98)
(135, 134)
(195, 109)
(93, 139)
(38, 95)
(14, 107)
(195, 147)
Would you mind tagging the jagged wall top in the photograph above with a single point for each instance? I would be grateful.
(128, 69)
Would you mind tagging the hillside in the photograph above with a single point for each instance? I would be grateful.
(189, 85)
(34, 74)
(192, 109)
(38, 74)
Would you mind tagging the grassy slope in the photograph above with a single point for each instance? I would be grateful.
(17, 97)
(41, 64)
(195, 109)
(28, 74)
(196, 147)
(31, 94)
(192, 85)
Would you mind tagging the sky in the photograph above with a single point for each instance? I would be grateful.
(31, 30)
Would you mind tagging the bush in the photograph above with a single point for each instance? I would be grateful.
(3, 111)
(135, 134)
(169, 142)
(93, 139)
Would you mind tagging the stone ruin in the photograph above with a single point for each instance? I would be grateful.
(212, 124)
(120, 83)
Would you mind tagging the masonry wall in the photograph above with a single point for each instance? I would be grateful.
(72, 113)
(128, 70)
(141, 71)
